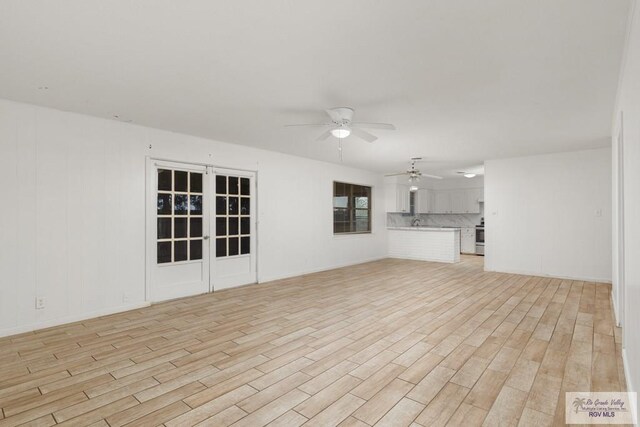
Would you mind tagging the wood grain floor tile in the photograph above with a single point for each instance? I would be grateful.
(507, 408)
(224, 418)
(402, 414)
(327, 396)
(467, 415)
(390, 342)
(376, 407)
(337, 412)
(431, 385)
(273, 410)
(443, 406)
(212, 407)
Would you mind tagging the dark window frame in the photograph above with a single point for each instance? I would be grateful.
(351, 191)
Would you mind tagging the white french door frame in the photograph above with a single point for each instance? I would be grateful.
(620, 266)
(254, 223)
(150, 199)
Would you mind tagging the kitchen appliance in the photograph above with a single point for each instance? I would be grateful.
(480, 238)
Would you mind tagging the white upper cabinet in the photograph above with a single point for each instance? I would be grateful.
(443, 202)
(458, 201)
(397, 197)
(474, 196)
(425, 201)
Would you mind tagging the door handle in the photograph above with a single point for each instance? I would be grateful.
(205, 237)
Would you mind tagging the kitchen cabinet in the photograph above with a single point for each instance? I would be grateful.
(425, 201)
(455, 201)
(443, 202)
(474, 196)
(468, 240)
(397, 197)
(458, 201)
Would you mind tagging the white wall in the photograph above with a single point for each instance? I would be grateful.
(628, 106)
(541, 215)
(72, 226)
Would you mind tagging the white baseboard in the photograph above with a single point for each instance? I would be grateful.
(614, 305)
(553, 276)
(446, 261)
(630, 386)
(71, 319)
(264, 279)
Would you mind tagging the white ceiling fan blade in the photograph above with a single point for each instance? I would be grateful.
(431, 176)
(386, 126)
(363, 134)
(397, 174)
(324, 136)
(310, 124)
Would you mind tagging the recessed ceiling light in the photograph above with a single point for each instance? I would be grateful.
(469, 175)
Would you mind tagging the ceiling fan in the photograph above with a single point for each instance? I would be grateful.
(413, 173)
(342, 125)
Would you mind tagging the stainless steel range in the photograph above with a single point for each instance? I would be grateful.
(480, 238)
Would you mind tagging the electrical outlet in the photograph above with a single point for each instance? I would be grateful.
(39, 303)
(125, 297)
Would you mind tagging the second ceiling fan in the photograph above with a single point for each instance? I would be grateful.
(413, 173)
(342, 125)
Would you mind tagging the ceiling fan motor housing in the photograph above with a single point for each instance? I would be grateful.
(345, 114)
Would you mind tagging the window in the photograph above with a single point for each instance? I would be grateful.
(233, 216)
(351, 208)
(412, 202)
(179, 216)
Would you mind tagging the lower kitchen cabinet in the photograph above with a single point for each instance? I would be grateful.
(468, 240)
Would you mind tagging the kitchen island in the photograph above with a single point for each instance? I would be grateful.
(440, 244)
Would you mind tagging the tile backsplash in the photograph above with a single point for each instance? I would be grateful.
(450, 220)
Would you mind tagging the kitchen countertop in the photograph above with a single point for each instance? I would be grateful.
(425, 228)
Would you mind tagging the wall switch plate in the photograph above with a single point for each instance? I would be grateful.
(39, 303)
(598, 212)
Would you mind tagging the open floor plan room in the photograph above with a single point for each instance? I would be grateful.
(387, 343)
(322, 213)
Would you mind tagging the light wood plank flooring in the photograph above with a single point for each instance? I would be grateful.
(387, 343)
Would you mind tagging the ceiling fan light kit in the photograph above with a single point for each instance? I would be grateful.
(414, 174)
(341, 132)
(343, 126)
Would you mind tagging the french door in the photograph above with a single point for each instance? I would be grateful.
(233, 257)
(201, 229)
(178, 205)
